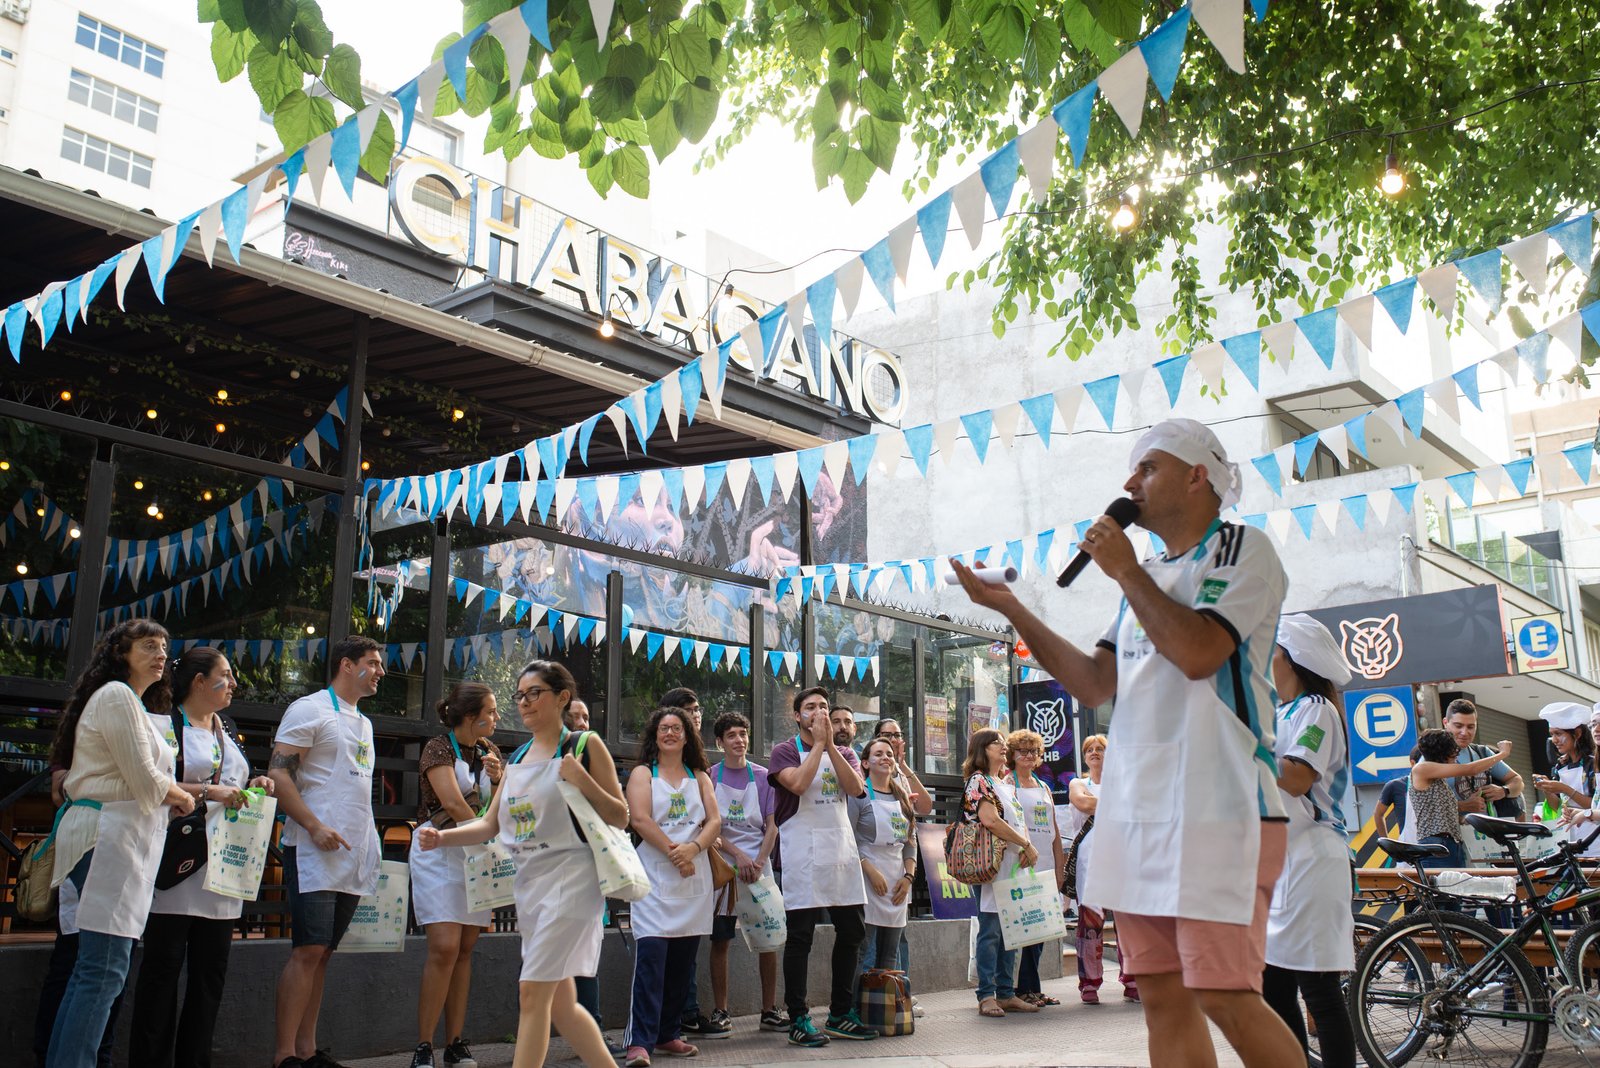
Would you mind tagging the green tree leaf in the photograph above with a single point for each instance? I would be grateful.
(310, 31)
(229, 50)
(1004, 32)
(856, 172)
(380, 150)
(631, 170)
(270, 20)
(884, 103)
(879, 141)
(342, 76)
(689, 50)
(694, 110)
(232, 14)
(299, 118)
(929, 17)
(599, 175)
(663, 133)
(612, 98)
(273, 75)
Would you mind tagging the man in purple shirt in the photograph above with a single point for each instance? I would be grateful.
(811, 776)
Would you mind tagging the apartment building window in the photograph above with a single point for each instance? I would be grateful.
(8, 55)
(123, 47)
(113, 100)
(1591, 641)
(106, 157)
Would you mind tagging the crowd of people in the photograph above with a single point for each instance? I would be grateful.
(1219, 853)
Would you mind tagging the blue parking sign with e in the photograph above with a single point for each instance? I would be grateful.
(1383, 730)
(1538, 638)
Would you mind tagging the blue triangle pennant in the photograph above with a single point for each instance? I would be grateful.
(690, 386)
(1245, 351)
(1590, 314)
(1581, 457)
(1268, 466)
(1321, 330)
(1397, 298)
(761, 467)
(1575, 237)
(715, 473)
(775, 662)
(1103, 391)
(999, 176)
(919, 439)
(1041, 413)
(1467, 380)
(933, 220)
(1410, 405)
(1357, 507)
(880, 268)
(1483, 271)
(819, 297)
(406, 97)
(1171, 372)
(1534, 351)
(1305, 515)
(1518, 472)
(345, 153)
(861, 449)
(455, 60)
(810, 464)
(672, 478)
(1465, 486)
(1304, 449)
(979, 425)
(1406, 495)
(536, 14)
(1073, 115)
(1163, 51)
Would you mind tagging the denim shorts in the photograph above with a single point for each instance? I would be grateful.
(319, 918)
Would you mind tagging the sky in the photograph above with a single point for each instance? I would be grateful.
(763, 196)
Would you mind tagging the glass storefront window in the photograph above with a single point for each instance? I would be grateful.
(859, 638)
(783, 624)
(226, 559)
(393, 594)
(42, 486)
(966, 680)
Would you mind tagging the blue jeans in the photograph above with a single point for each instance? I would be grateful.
(869, 952)
(997, 966)
(97, 980)
(1456, 858)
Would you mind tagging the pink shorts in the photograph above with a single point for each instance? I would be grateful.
(1211, 955)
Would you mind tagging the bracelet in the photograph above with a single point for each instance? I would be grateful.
(908, 875)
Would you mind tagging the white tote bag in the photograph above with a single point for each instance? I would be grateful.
(237, 840)
(491, 873)
(760, 911)
(1030, 908)
(621, 872)
(379, 925)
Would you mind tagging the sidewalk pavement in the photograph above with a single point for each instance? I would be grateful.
(950, 1035)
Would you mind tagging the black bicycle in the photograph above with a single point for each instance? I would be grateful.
(1445, 986)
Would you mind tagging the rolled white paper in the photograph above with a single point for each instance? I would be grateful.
(994, 576)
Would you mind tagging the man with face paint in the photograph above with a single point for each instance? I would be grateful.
(1188, 863)
(322, 761)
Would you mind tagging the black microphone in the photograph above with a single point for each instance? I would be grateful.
(1122, 511)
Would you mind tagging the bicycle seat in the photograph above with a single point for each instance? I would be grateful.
(1504, 831)
(1405, 852)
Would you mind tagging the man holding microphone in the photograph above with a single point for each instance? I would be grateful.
(1191, 829)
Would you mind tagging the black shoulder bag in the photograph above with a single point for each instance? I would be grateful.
(186, 849)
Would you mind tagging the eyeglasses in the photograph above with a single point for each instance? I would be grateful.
(1026, 752)
(890, 734)
(669, 728)
(531, 694)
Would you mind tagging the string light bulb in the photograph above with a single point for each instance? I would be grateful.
(161, 515)
(138, 484)
(66, 395)
(75, 533)
(152, 510)
(311, 628)
(607, 327)
(22, 569)
(366, 465)
(206, 496)
(39, 512)
(1393, 182)
(222, 394)
(5, 465)
(1126, 217)
(456, 415)
(222, 428)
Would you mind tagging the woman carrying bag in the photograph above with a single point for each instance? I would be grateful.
(1024, 754)
(558, 889)
(675, 814)
(882, 821)
(459, 771)
(109, 841)
(993, 803)
(189, 925)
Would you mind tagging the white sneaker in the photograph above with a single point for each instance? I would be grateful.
(917, 1011)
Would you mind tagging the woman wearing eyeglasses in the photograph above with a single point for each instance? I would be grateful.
(1024, 753)
(675, 813)
(558, 890)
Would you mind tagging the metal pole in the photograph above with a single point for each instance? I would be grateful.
(344, 550)
(611, 728)
(433, 660)
(758, 680)
(91, 561)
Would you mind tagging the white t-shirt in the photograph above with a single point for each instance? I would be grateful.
(311, 723)
(1190, 769)
(1312, 732)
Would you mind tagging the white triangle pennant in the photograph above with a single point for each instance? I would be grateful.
(1208, 360)
(1284, 454)
(1223, 22)
(1531, 256)
(526, 492)
(1328, 512)
(1493, 478)
(700, 649)
(847, 666)
(1125, 83)
(1439, 283)
(366, 123)
(601, 10)
(651, 486)
(491, 499)
(1037, 150)
(1067, 402)
(1510, 362)
(901, 238)
(671, 403)
(1357, 315)
(891, 446)
(512, 32)
(619, 419)
(209, 226)
(1551, 468)
(1445, 398)
(944, 438)
(1337, 440)
(738, 475)
(1279, 340)
(566, 493)
(669, 647)
(694, 485)
(785, 466)
(428, 83)
(1278, 523)
(606, 489)
(1388, 413)
(795, 309)
(1378, 508)
(126, 263)
(836, 461)
(319, 157)
(971, 200)
(1006, 419)
(848, 279)
(635, 637)
(791, 664)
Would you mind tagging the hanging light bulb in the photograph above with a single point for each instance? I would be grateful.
(1393, 182)
(138, 484)
(1126, 217)
(456, 415)
(161, 515)
(366, 465)
(149, 413)
(222, 428)
(152, 510)
(311, 628)
(66, 395)
(206, 496)
(39, 512)
(607, 328)
(75, 533)
(222, 394)
(22, 569)
(5, 465)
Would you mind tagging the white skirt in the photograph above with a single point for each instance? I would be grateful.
(439, 887)
(559, 908)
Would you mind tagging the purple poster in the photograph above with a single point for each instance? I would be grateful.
(951, 900)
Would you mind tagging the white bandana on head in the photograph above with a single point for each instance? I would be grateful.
(1309, 644)
(1192, 442)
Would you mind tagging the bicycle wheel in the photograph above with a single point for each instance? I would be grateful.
(1365, 928)
(1408, 998)
(1577, 1010)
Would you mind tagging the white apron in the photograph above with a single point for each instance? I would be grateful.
(1075, 824)
(676, 907)
(344, 803)
(886, 854)
(1039, 808)
(438, 876)
(1573, 776)
(558, 892)
(1310, 927)
(205, 753)
(122, 869)
(821, 867)
(744, 825)
(1011, 810)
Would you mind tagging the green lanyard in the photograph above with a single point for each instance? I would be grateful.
(216, 744)
(522, 750)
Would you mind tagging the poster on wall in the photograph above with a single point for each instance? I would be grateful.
(936, 717)
(1047, 711)
(950, 900)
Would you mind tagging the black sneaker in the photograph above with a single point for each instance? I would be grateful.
(701, 1027)
(773, 1020)
(802, 1032)
(849, 1026)
(422, 1056)
(720, 1018)
(457, 1055)
(320, 1059)
(290, 1062)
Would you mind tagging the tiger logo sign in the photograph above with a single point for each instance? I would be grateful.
(1372, 647)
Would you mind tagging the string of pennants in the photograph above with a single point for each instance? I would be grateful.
(476, 491)
(1048, 551)
(1158, 58)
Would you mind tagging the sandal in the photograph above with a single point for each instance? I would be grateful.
(990, 1007)
(1043, 1000)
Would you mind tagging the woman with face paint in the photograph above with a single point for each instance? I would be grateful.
(883, 822)
(190, 927)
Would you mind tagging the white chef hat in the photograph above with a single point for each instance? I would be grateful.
(1192, 442)
(1310, 645)
(1566, 715)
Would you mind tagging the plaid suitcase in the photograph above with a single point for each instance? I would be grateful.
(884, 1003)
